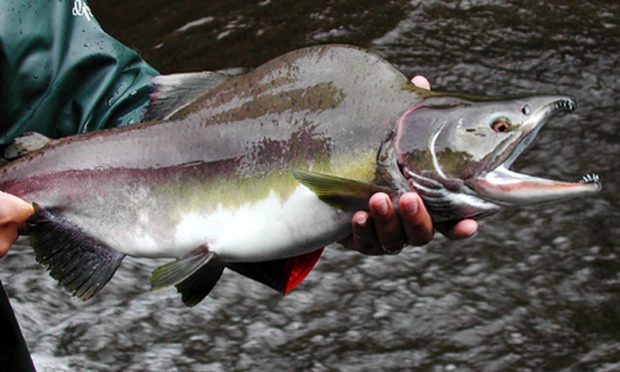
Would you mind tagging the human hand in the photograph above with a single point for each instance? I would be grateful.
(383, 232)
(13, 213)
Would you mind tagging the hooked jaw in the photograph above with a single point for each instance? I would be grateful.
(506, 187)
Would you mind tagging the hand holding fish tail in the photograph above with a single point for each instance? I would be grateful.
(13, 213)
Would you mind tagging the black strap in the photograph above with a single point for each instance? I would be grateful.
(14, 355)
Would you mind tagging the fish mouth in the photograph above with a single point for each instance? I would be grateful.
(506, 187)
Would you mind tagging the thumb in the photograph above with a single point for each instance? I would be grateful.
(14, 210)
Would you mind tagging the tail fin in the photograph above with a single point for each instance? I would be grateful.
(81, 263)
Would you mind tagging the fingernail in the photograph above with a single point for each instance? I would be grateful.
(382, 207)
(471, 227)
(421, 82)
(360, 227)
(362, 222)
(411, 207)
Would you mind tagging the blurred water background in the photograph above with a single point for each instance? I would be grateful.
(537, 288)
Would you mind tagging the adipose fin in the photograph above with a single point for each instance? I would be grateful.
(25, 144)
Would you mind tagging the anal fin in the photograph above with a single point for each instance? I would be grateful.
(81, 263)
(177, 271)
(194, 275)
(197, 286)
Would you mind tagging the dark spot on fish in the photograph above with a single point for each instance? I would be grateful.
(526, 110)
(470, 130)
(292, 100)
(307, 144)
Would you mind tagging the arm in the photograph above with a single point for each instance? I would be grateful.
(61, 74)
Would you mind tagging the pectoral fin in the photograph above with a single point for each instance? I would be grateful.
(337, 191)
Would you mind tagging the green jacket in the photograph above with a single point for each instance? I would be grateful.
(61, 74)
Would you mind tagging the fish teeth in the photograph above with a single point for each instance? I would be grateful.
(590, 178)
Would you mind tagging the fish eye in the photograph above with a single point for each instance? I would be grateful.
(501, 126)
(526, 110)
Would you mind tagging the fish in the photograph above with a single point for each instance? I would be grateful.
(259, 172)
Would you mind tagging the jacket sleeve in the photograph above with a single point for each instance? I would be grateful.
(61, 74)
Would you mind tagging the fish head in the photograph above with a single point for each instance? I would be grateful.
(456, 151)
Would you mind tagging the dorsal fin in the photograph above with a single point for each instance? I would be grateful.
(171, 93)
(25, 144)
